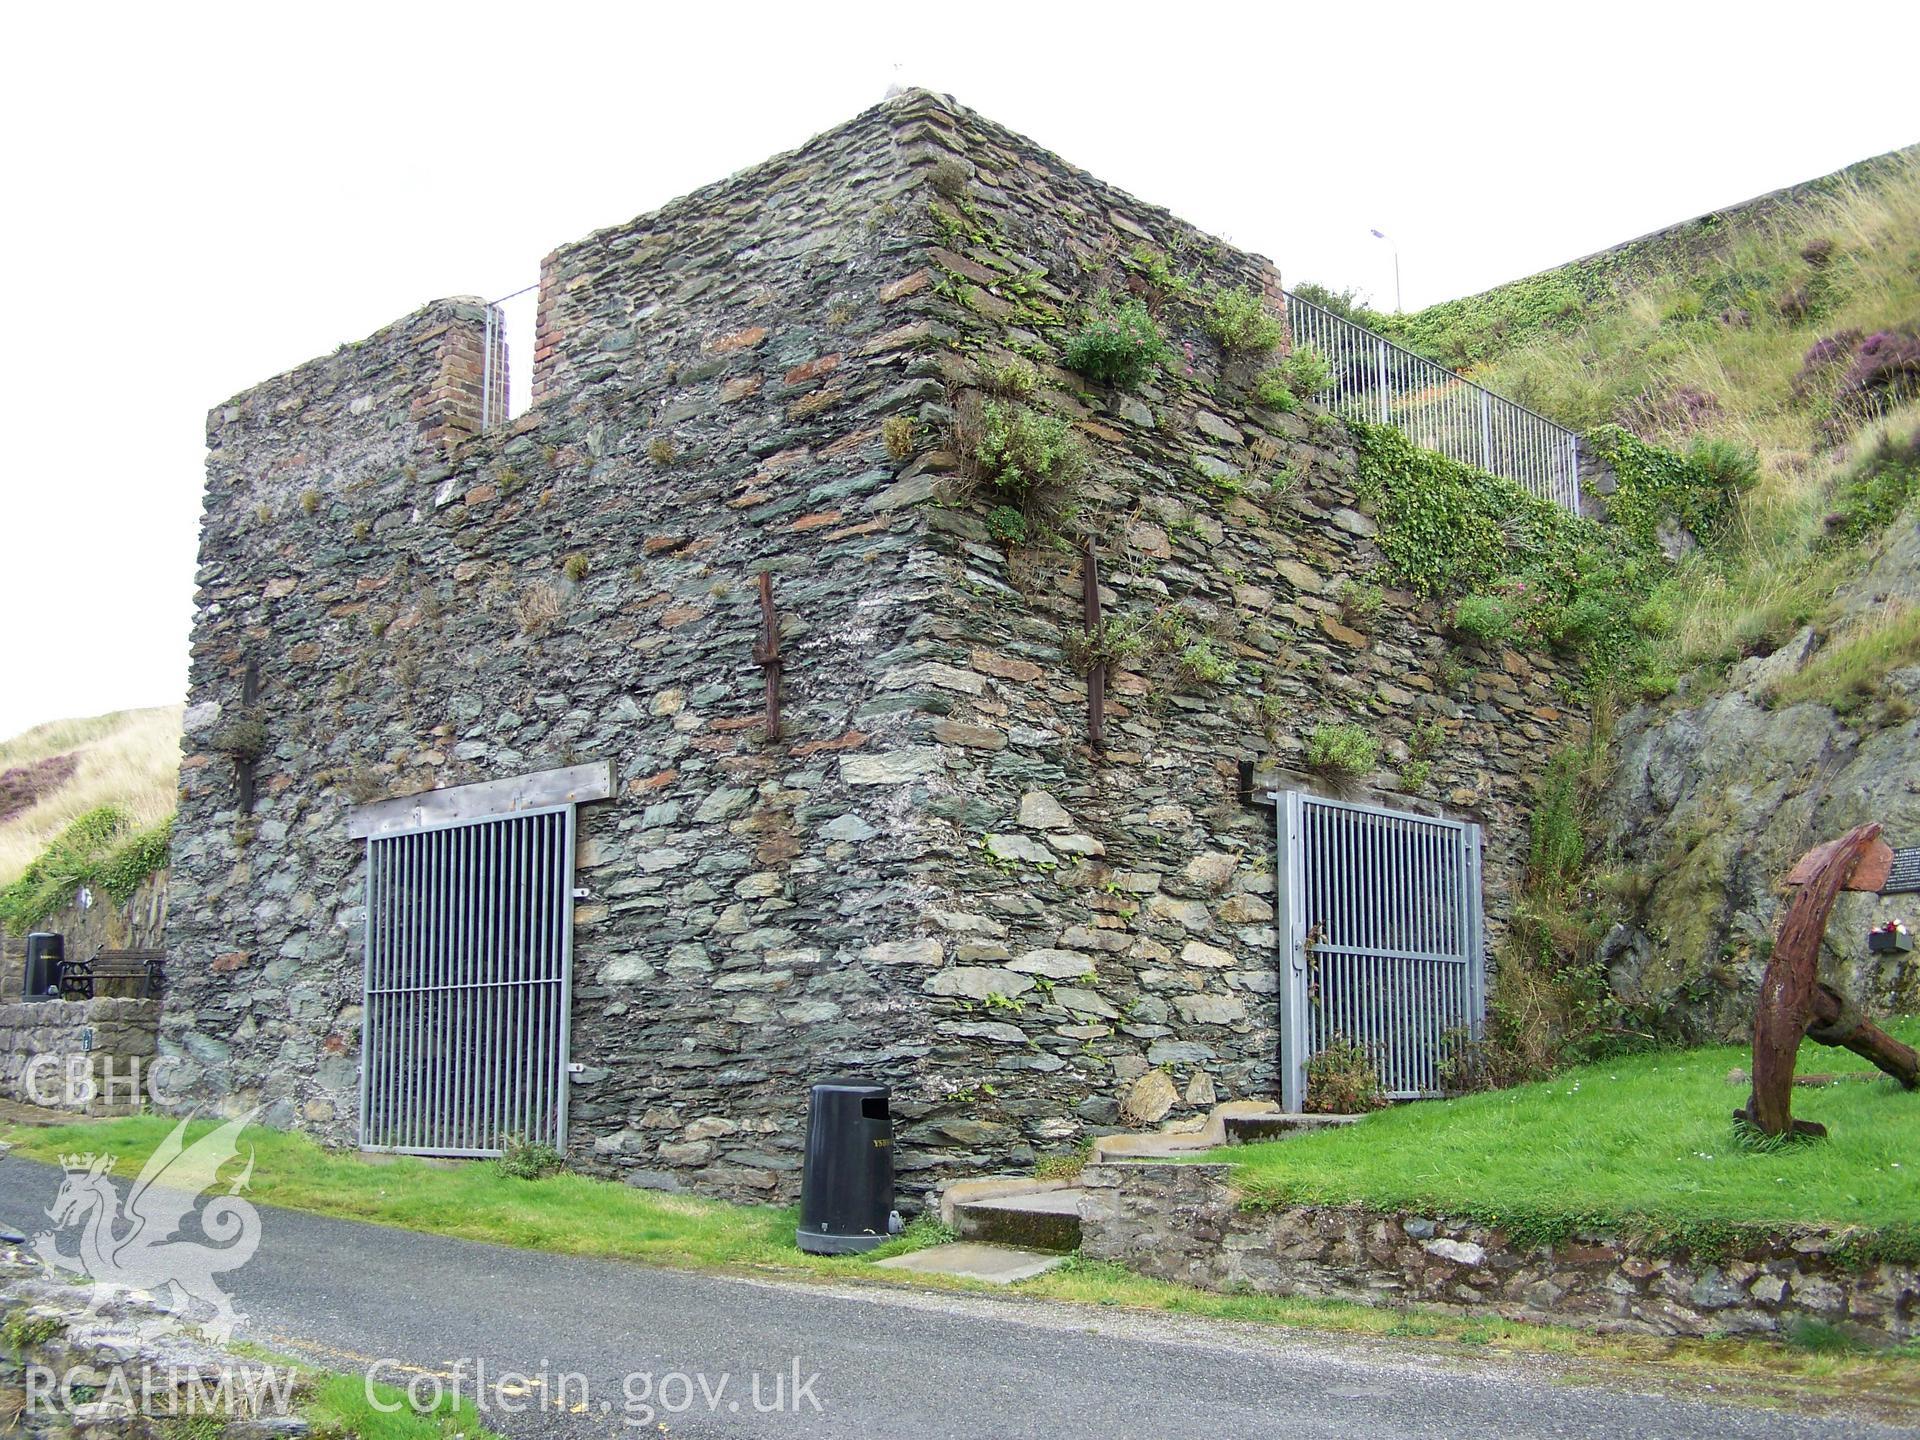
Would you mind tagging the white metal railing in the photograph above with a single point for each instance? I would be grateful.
(1377, 380)
(506, 388)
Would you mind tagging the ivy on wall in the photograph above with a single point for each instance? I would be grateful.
(1519, 568)
(99, 849)
(1659, 488)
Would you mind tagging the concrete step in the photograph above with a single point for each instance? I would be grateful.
(972, 1260)
(1245, 1129)
(1040, 1220)
(1156, 1145)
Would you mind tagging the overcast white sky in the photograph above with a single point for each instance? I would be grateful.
(201, 196)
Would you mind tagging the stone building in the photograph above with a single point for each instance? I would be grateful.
(930, 877)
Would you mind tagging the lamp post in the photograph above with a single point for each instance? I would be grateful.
(1382, 235)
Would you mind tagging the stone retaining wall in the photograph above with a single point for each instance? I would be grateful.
(1184, 1223)
(100, 1053)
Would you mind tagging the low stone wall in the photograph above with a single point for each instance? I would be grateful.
(124, 1369)
(102, 1053)
(1184, 1223)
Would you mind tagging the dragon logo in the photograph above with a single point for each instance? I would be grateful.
(138, 1247)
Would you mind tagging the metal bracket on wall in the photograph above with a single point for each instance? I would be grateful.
(766, 654)
(1097, 671)
(243, 764)
(1252, 795)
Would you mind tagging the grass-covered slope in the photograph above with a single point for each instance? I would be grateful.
(1777, 345)
(1791, 327)
(53, 774)
(1642, 1142)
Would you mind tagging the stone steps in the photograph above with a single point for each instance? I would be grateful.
(1047, 1220)
(1044, 1215)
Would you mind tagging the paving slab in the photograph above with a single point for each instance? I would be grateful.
(970, 1260)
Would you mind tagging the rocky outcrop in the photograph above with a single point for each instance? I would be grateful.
(77, 1361)
(1715, 796)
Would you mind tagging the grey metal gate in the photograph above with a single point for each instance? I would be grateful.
(469, 966)
(1381, 938)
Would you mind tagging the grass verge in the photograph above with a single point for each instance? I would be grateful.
(1641, 1143)
(340, 1408)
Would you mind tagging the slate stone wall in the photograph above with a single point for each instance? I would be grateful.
(89, 1056)
(1184, 1223)
(929, 879)
(1108, 938)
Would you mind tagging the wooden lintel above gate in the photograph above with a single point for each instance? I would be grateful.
(542, 790)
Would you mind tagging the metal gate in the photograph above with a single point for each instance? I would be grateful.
(469, 965)
(1380, 932)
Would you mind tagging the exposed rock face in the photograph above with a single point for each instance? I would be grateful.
(1714, 800)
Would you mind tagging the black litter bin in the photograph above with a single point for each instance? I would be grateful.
(846, 1187)
(44, 954)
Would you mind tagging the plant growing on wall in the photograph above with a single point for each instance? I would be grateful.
(897, 434)
(1342, 750)
(1482, 619)
(1241, 322)
(1301, 375)
(1118, 640)
(1118, 344)
(244, 738)
(1343, 1080)
(1007, 525)
(1027, 458)
(1155, 273)
(1360, 602)
(1202, 661)
(1014, 378)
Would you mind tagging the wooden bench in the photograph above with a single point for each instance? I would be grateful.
(133, 974)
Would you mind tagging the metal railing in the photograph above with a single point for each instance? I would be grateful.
(1377, 380)
(505, 385)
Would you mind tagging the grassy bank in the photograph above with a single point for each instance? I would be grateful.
(1643, 1141)
(129, 759)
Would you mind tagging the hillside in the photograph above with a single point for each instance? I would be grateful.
(54, 773)
(1779, 705)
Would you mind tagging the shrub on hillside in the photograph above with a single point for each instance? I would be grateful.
(1878, 488)
(1885, 370)
(1683, 408)
(75, 858)
(22, 787)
